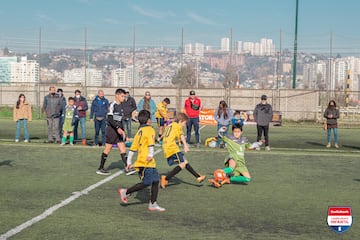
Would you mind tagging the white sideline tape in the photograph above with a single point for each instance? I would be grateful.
(63, 203)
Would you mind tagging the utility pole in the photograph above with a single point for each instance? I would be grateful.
(38, 82)
(85, 62)
(295, 45)
(330, 87)
(133, 70)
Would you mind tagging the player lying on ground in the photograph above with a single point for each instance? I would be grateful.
(235, 165)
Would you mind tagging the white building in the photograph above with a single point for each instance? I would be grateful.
(188, 49)
(225, 45)
(199, 49)
(25, 71)
(124, 77)
(74, 76)
(239, 48)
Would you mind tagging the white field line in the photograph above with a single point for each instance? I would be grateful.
(63, 203)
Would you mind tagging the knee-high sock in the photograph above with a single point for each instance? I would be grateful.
(123, 158)
(103, 160)
(191, 170)
(175, 171)
(71, 138)
(154, 191)
(136, 187)
(239, 179)
(228, 170)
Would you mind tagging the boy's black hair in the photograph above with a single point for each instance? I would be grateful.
(237, 112)
(167, 100)
(236, 125)
(71, 98)
(119, 91)
(144, 116)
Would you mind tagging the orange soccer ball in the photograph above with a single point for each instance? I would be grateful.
(219, 175)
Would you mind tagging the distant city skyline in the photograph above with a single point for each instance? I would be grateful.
(159, 23)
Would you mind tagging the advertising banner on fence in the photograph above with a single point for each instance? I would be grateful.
(207, 117)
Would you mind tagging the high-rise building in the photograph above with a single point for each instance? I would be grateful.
(124, 77)
(5, 69)
(188, 49)
(225, 45)
(24, 72)
(199, 49)
(239, 48)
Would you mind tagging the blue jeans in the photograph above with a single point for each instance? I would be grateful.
(127, 127)
(193, 122)
(100, 124)
(83, 128)
(224, 134)
(335, 130)
(18, 125)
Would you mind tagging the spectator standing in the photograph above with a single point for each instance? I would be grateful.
(82, 107)
(129, 108)
(223, 116)
(146, 103)
(21, 114)
(63, 105)
(263, 114)
(332, 114)
(192, 108)
(71, 117)
(99, 108)
(52, 108)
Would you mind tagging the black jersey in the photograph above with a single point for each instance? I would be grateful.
(116, 115)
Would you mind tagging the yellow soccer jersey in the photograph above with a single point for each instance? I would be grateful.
(172, 134)
(161, 108)
(144, 138)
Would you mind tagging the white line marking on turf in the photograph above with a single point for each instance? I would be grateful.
(63, 203)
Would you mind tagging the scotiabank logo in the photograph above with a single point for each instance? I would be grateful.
(339, 219)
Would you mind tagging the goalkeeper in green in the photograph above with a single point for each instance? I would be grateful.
(235, 164)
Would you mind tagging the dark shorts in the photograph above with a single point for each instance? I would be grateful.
(112, 136)
(148, 175)
(176, 158)
(160, 122)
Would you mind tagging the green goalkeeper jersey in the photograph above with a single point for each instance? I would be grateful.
(236, 149)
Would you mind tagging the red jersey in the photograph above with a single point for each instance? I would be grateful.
(193, 107)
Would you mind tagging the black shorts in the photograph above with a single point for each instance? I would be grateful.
(112, 136)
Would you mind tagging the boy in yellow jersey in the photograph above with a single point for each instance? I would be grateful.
(172, 153)
(145, 164)
(161, 116)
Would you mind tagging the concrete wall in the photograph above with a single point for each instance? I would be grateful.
(294, 104)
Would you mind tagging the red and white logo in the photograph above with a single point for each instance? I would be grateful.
(339, 219)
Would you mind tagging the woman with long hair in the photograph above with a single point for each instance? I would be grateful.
(332, 114)
(21, 115)
(223, 116)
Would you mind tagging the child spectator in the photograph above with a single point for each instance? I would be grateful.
(70, 116)
(145, 164)
(238, 118)
(173, 134)
(21, 114)
(223, 116)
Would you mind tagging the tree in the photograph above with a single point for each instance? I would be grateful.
(230, 76)
(185, 77)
